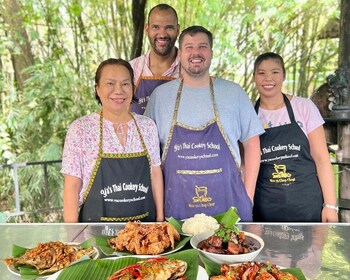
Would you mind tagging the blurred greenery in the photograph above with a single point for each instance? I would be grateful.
(68, 38)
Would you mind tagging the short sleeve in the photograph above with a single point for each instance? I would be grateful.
(71, 159)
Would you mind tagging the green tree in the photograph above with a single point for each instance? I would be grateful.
(66, 40)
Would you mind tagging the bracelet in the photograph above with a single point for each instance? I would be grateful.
(329, 206)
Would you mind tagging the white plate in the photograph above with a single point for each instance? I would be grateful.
(201, 275)
(16, 271)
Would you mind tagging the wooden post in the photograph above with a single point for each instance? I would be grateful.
(344, 60)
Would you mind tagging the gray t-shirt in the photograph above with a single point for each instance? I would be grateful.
(236, 111)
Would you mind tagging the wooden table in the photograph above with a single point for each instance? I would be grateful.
(322, 251)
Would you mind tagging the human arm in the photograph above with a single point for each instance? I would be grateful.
(251, 164)
(158, 192)
(72, 186)
(319, 153)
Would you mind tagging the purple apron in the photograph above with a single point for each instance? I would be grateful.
(143, 90)
(200, 171)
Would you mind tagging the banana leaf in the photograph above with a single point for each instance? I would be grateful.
(213, 269)
(102, 243)
(102, 268)
(29, 272)
(229, 219)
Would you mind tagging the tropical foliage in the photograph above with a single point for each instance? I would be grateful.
(50, 50)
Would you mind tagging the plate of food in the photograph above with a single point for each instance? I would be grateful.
(47, 258)
(250, 270)
(143, 240)
(201, 222)
(228, 245)
(173, 266)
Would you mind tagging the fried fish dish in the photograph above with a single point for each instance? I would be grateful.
(145, 239)
(152, 269)
(252, 271)
(50, 257)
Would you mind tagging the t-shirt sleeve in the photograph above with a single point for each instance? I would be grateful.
(250, 123)
(311, 115)
(72, 157)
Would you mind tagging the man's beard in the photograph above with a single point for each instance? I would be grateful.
(167, 50)
(196, 71)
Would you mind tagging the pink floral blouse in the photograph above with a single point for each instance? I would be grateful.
(82, 142)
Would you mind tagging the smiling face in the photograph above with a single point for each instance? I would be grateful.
(114, 89)
(195, 54)
(162, 30)
(269, 77)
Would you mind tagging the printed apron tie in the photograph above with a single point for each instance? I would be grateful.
(120, 186)
(200, 170)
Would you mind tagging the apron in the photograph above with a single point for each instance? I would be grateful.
(120, 187)
(143, 90)
(287, 188)
(200, 171)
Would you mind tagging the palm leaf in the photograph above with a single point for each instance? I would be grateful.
(229, 219)
(101, 269)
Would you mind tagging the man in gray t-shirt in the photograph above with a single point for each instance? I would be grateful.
(200, 121)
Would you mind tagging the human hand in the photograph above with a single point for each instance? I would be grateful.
(329, 215)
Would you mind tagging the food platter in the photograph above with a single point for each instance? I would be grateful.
(205, 223)
(108, 251)
(202, 273)
(105, 267)
(222, 258)
(214, 269)
(104, 244)
(95, 256)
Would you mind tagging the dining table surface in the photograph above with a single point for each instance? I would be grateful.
(321, 251)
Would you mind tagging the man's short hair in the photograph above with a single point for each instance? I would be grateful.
(163, 7)
(192, 30)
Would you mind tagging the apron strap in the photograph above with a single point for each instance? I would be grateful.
(100, 152)
(216, 119)
(286, 102)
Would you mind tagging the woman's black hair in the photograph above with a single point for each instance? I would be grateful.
(113, 61)
(266, 56)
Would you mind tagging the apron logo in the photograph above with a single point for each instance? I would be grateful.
(201, 200)
(201, 193)
(281, 175)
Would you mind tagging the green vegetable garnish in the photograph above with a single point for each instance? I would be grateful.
(225, 234)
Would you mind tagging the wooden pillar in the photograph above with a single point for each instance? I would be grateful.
(344, 38)
(344, 60)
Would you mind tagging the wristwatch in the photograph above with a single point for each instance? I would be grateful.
(329, 206)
